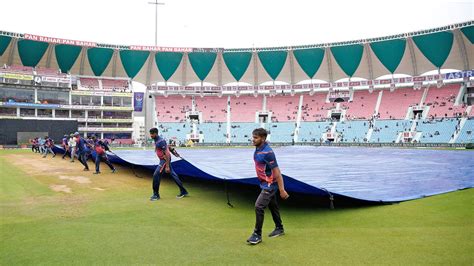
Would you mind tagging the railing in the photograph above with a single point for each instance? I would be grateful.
(343, 86)
(352, 144)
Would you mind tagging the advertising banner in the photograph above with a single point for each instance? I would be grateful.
(138, 101)
(58, 40)
(418, 82)
(16, 76)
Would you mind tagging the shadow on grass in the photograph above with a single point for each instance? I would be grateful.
(244, 194)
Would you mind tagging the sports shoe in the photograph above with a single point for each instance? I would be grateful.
(155, 197)
(182, 195)
(96, 173)
(86, 169)
(114, 170)
(254, 239)
(54, 155)
(277, 232)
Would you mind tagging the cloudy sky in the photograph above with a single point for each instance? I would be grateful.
(226, 23)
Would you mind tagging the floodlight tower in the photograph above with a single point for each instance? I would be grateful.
(149, 98)
(156, 3)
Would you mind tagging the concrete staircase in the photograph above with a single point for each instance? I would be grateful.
(298, 120)
(461, 125)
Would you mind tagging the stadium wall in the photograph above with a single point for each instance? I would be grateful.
(18, 131)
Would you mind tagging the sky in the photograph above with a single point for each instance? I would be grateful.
(228, 23)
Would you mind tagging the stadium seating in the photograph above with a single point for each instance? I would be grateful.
(441, 101)
(352, 131)
(362, 105)
(172, 108)
(395, 104)
(437, 131)
(117, 85)
(172, 111)
(89, 83)
(242, 132)
(281, 132)
(386, 131)
(315, 107)
(213, 132)
(467, 132)
(114, 85)
(214, 109)
(244, 108)
(48, 72)
(18, 69)
(313, 131)
(174, 130)
(283, 108)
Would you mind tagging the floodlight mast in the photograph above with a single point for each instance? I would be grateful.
(156, 3)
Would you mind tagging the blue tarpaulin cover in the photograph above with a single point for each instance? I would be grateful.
(368, 174)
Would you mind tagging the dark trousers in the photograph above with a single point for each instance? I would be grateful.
(103, 158)
(66, 151)
(82, 157)
(158, 175)
(267, 198)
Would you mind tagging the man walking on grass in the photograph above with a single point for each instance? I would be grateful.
(81, 150)
(164, 154)
(271, 183)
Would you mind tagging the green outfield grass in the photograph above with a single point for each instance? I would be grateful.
(110, 221)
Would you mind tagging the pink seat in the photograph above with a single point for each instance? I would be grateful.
(214, 109)
(284, 108)
(394, 105)
(115, 85)
(315, 107)
(20, 69)
(441, 101)
(244, 108)
(172, 108)
(362, 105)
(89, 83)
